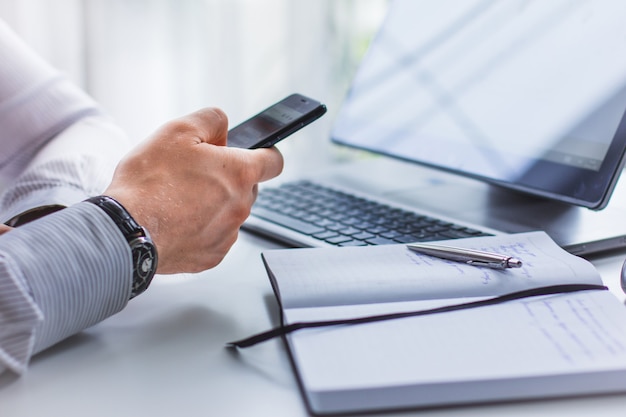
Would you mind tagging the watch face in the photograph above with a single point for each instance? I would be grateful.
(143, 250)
(144, 264)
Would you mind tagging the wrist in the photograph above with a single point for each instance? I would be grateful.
(144, 253)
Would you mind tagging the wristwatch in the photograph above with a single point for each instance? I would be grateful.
(144, 251)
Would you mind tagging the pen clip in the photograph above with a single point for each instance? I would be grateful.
(492, 265)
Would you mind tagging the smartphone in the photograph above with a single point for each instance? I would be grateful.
(276, 122)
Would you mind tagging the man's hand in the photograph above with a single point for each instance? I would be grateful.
(4, 228)
(190, 191)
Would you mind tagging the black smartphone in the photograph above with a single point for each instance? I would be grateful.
(276, 122)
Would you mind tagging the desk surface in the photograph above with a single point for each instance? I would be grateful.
(164, 355)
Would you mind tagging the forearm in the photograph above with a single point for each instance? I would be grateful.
(63, 273)
(36, 103)
(77, 164)
(57, 145)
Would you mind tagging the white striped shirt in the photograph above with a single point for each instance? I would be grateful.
(71, 269)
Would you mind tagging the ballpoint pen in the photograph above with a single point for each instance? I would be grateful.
(468, 256)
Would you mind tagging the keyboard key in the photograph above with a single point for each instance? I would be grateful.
(390, 234)
(381, 241)
(455, 234)
(335, 226)
(363, 236)
(409, 238)
(325, 235)
(349, 231)
(288, 222)
(339, 239)
(353, 243)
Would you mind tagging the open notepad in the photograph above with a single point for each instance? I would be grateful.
(559, 345)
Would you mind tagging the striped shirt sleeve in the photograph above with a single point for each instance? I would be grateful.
(58, 276)
(69, 270)
(56, 145)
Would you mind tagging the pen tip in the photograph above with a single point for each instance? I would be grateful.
(514, 263)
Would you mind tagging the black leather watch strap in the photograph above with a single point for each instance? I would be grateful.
(143, 250)
(33, 214)
(129, 227)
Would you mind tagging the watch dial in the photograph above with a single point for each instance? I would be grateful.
(144, 264)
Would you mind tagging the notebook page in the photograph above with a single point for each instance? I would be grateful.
(564, 334)
(378, 274)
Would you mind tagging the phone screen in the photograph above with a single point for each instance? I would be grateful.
(276, 122)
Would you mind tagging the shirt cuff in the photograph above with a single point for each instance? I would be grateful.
(19, 318)
(78, 267)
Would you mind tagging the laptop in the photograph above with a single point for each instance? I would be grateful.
(496, 117)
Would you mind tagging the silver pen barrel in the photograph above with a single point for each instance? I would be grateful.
(468, 256)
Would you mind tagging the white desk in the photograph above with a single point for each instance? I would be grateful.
(164, 355)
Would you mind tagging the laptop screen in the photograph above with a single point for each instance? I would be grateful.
(525, 94)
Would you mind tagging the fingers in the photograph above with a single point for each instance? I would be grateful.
(212, 124)
(268, 162)
(271, 163)
(4, 228)
(208, 125)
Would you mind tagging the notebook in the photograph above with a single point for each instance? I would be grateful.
(569, 341)
(499, 115)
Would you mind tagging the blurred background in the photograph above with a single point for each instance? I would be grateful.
(148, 61)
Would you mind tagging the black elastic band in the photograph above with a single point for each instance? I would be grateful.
(533, 292)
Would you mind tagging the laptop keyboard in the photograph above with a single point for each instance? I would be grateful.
(343, 219)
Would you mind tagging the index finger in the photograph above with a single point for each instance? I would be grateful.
(208, 125)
